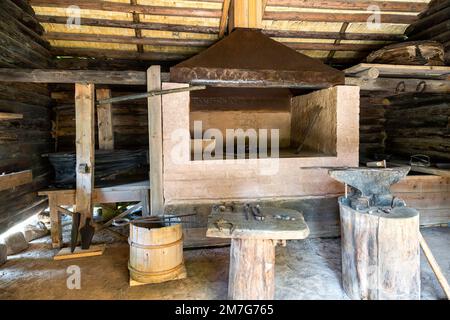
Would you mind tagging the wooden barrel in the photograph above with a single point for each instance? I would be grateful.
(156, 252)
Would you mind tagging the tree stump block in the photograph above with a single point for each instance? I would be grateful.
(252, 270)
(380, 254)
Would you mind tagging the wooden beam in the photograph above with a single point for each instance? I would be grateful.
(129, 8)
(12, 180)
(428, 21)
(200, 43)
(132, 25)
(399, 85)
(337, 42)
(118, 54)
(85, 146)
(75, 76)
(155, 142)
(127, 39)
(333, 35)
(137, 31)
(224, 18)
(246, 14)
(104, 120)
(337, 17)
(10, 116)
(398, 6)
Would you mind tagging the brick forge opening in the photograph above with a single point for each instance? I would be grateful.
(267, 122)
(332, 142)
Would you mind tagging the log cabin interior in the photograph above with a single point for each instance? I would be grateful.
(214, 149)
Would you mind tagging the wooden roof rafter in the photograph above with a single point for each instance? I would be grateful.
(176, 30)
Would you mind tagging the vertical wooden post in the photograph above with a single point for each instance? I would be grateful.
(85, 144)
(104, 120)
(246, 14)
(155, 142)
(55, 222)
(252, 269)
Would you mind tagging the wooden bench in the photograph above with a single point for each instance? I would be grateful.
(138, 191)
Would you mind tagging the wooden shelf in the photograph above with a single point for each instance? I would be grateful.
(11, 180)
(10, 116)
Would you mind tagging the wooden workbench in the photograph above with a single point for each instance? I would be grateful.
(252, 253)
(138, 191)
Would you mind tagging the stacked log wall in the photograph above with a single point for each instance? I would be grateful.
(372, 133)
(433, 24)
(23, 141)
(419, 124)
(130, 120)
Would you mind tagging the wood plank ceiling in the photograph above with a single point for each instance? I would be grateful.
(165, 30)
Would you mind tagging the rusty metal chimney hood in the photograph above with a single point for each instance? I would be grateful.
(248, 58)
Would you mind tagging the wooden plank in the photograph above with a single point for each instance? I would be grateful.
(135, 186)
(235, 224)
(129, 8)
(85, 145)
(94, 250)
(224, 18)
(397, 6)
(104, 119)
(155, 142)
(10, 116)
(405, 84)
(12, 180)
(67, 197)
(337, 17)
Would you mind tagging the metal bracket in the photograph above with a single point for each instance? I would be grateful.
(83, 168)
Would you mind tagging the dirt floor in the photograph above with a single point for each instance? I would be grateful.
(307, 269)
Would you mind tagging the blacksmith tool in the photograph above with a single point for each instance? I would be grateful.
(87, 233)
(420, 160)
(257, 213)
(246, 209)
(224, 224)
(76, 217)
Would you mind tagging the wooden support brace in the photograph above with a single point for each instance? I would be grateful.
(85, 144)
(104, 120)
(55, 222)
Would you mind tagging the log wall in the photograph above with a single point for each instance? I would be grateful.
(22, 141)
(130, 120)
(372, 133)
(419, 124)
(433, 24)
